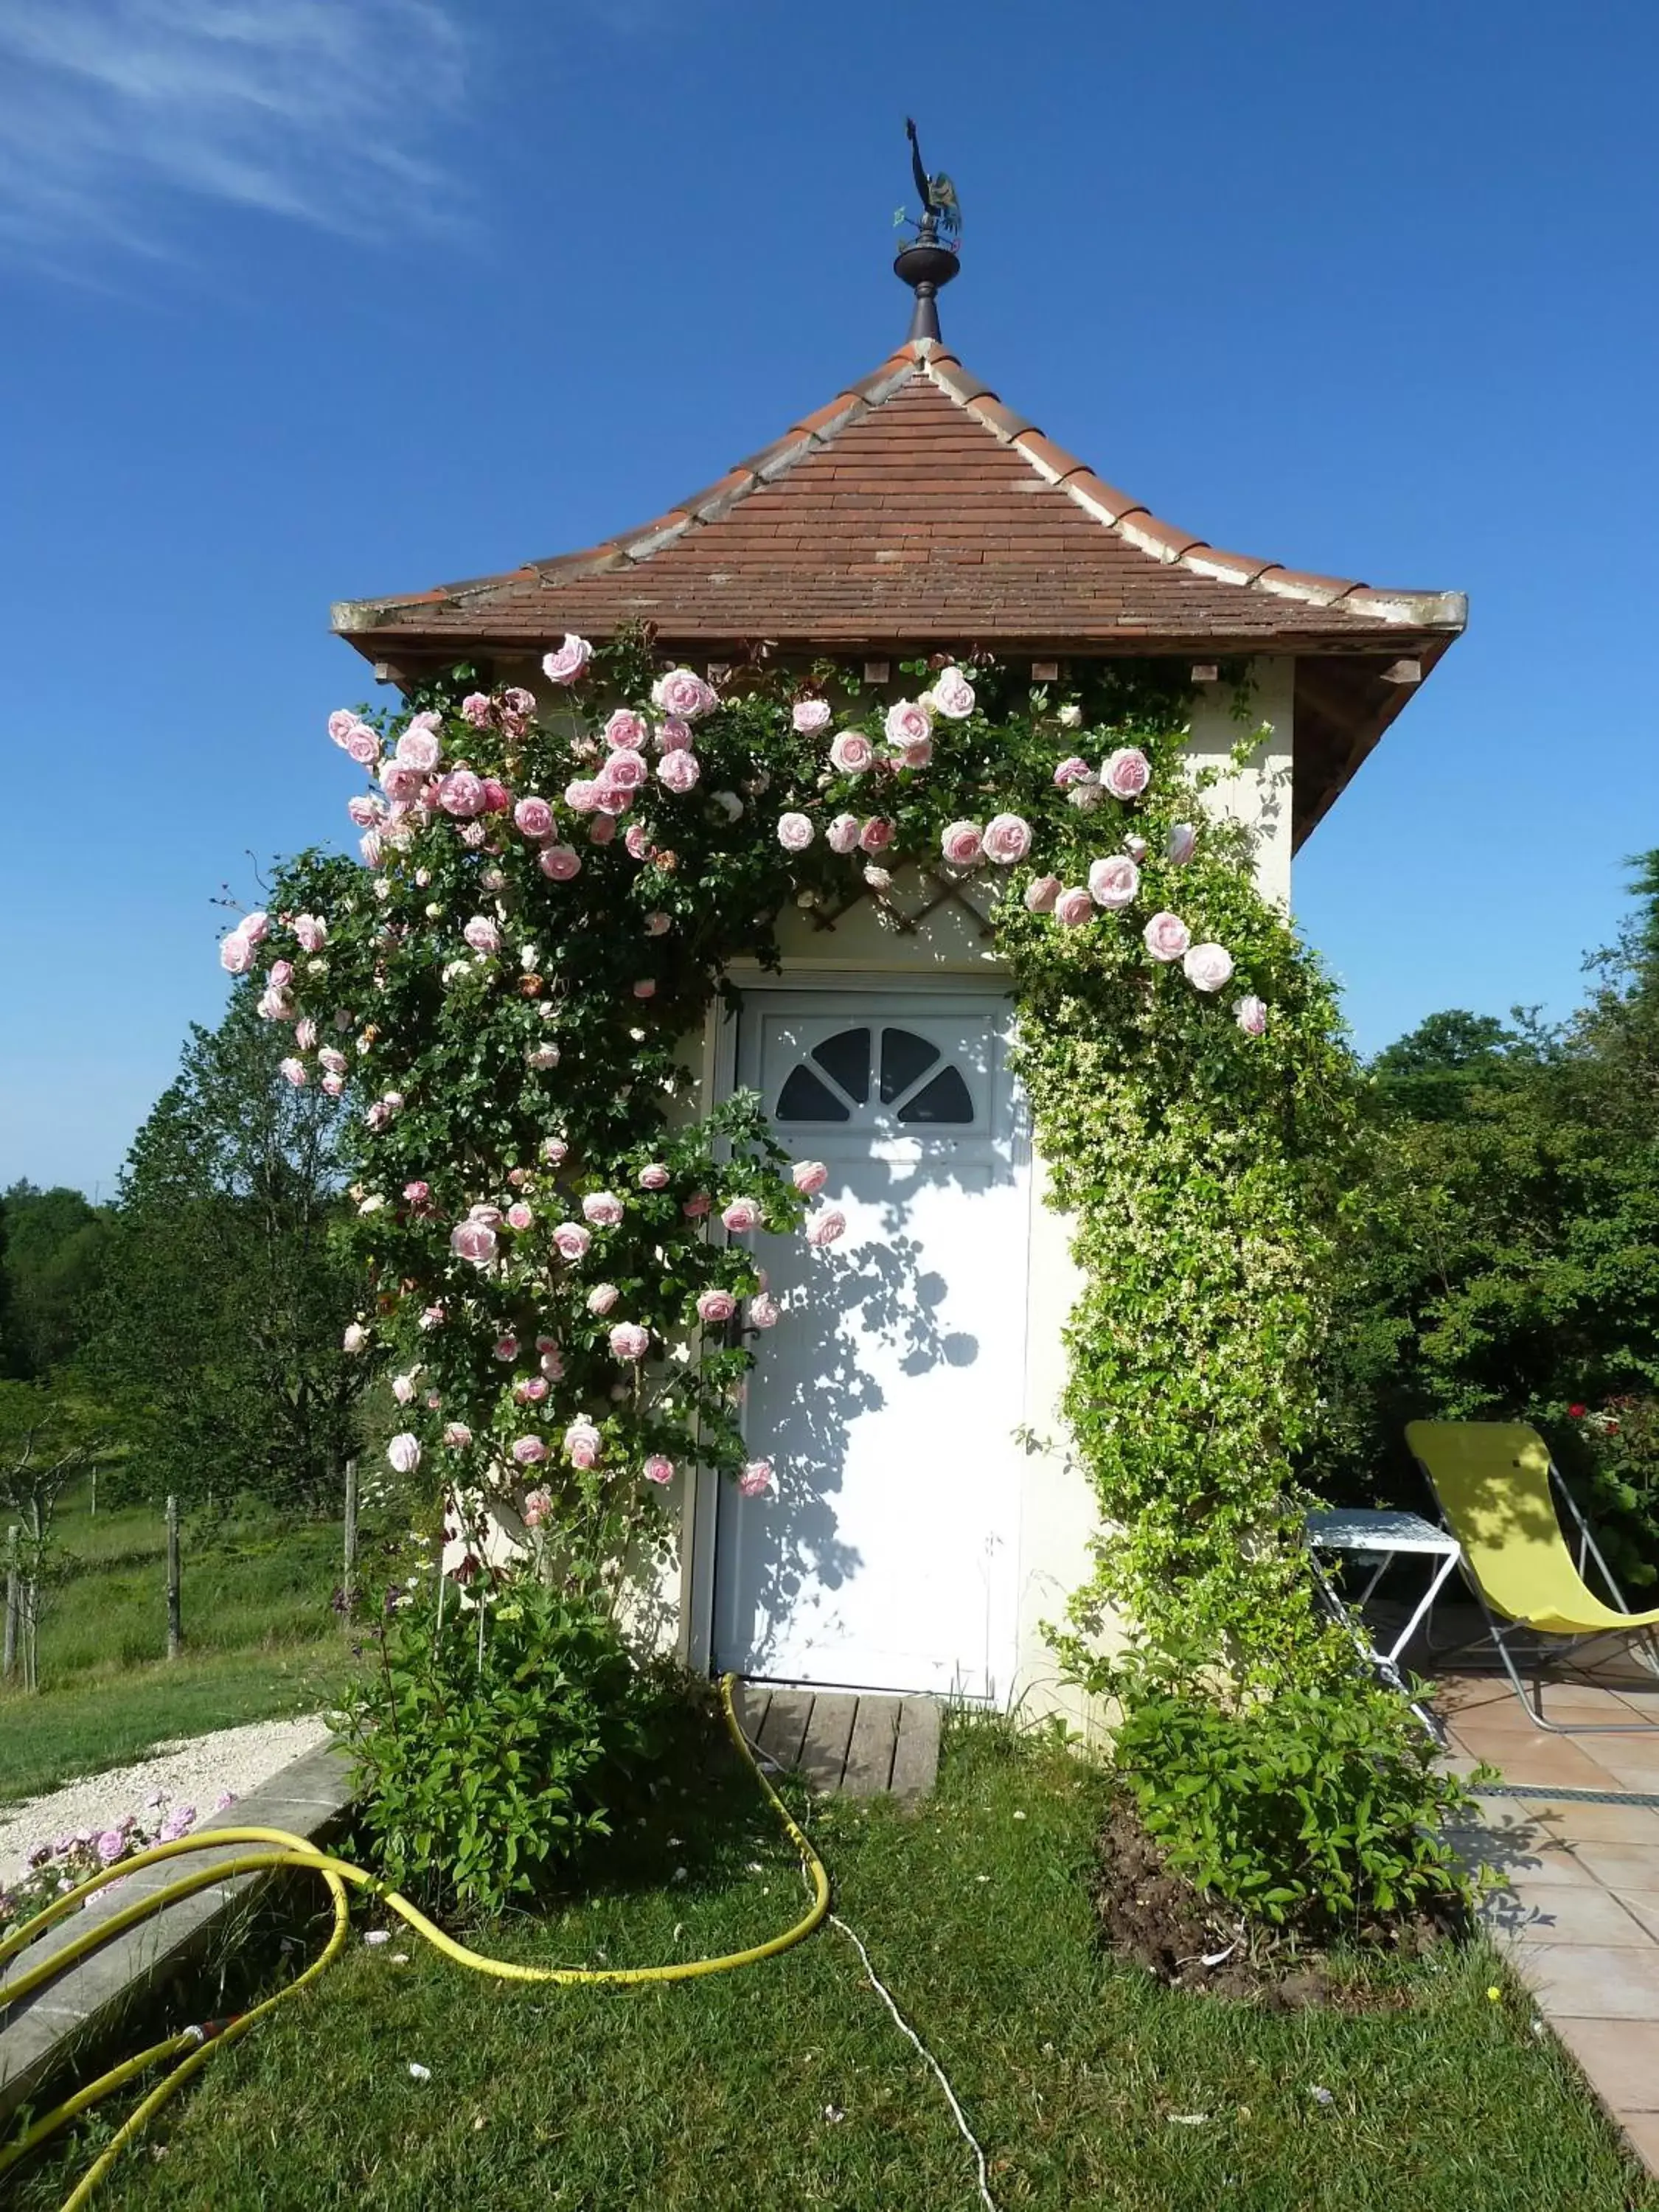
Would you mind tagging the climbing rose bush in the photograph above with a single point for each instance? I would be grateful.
(507, 990)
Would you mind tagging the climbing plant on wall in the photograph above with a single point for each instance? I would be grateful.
(508, 989)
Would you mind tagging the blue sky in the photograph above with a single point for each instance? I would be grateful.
(310, 300)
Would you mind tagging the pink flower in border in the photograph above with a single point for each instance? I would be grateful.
(460, 793)
(764, 1311)
(952, 695)
(645, 988)
(457, 1435)
(658, 924)
(683, 692)
(533, 817)
(602, 1299)
(1126, 773)
(657, 1468)
(419, 748)
(1167, 936)
(404, 1452)
(363, 746)
(559, 863)
(310, 930)
(626, 731)
(506, 1348)
(483, 934)
(1113, 882)
(418, 1195)
(807, 715)
(1041, 894)
(477, 707)
(537, 1507)
(852, 753)
(235, 954)
(571, 1240)
(876, 835)
(678, 771)
(1135, 848)
(756, 1478)
(1251, 1014)
(1007, 839)
(673, 735)
(795, 832)
(629, 1342)
(1183, 843)
(741, 1215)
(1208, 967)
(567, 663)
(697, 1205)
(555, 1150)
(519, 1215)
(907, 722)
(292, 1071)
(827, 1228)
(518, 704)
(963, 844)
(842, 835)
(342, 722)
(625, 770)
(601, 830)
(528, 1452)
(603, 1208)
(653, 1176)
(809, 1177)
(1073, 771)
(716, 1306)
(1072, 909)
(582, 795)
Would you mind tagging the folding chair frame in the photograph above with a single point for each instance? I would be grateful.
(1538, 1648)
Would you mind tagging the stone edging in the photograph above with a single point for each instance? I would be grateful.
(77, 2018)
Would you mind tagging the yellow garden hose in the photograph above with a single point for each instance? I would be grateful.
(196, 2045)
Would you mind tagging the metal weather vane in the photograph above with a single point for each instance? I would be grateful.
(940, 221)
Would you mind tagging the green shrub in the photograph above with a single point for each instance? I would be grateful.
(486, 1762)
(1320, 1809)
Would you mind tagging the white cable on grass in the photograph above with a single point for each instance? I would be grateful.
(956, 2113)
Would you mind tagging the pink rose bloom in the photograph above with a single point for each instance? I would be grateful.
(1114, 881)
(294, 1071)
(528, 1452)
(963, 844)
(534, 816)
(876, 835)
(638, 841)
(628, 1341)
(657, 1469)
(741, 1215)
(852, 753)
(1041, 894)
(696, 1205)
(519, 1215)
(537, 1507)
(583, 1443)
(473, 1240)
(555, 1150)
(1072, 909)
(341, 723)
(795, 832)
(679, 771)
(235, 953)
(1126, 772)
(476, 709)
(625, 770)
(333, 1086)
(417, 1195)
(603, 1208)
(1208, 967)
(567, 663)
(1183, 841)
(551, 1360)
(419, 748)
(559, 863)
(311, 932)
(807, 714)
(645, 988)
(571, 1240)
(842, 835)
(365, 811)
(755, 1479)
(363, 745)
(1136, 848)
(916, 754)
(1007, 839)
(952, 695)
(582, 796)
(404, 1453)
(356, 1337)
(809, 1177)
(333, 1060)
(1167, 936)
(401, 782)
(764, 1311)
(653, 1177)
(826, 1228)
(461, 793)
(716, 1306)
(372, 846)
(658, 924)
(490, 1214)
(674, 736)
(601, 830)
(877, 879)
(506, 1347)
(482, 934)
(1073, 771)
(519, 703)
(542, 1055)
(403, 1387)
(457, 1435)
(274, 1006)
(473, 835)
(683, 693)
(602, 1297)
(1251, 1014)
(432, 1317)
(626, 731)
(498, 800)
(282, 972)
(907, 723)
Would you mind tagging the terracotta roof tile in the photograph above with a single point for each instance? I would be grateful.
(913, 507)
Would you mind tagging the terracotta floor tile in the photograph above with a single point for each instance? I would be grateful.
(1642, 2128)
(1622, 1866)
(1591, 1981)
(1620, 2057)
(1549, 1761)
(1562, 1912)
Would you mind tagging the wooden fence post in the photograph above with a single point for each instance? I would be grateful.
(14, 1594)
(175, 1624)
(348, 1587)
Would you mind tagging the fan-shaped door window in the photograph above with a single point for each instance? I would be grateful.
(917, 1086)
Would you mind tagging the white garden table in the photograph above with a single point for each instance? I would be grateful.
(1376, 1537)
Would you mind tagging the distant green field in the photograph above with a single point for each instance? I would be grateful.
(261, 1637)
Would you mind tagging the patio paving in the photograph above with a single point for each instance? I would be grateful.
(1578, 1909)
(846, 1742)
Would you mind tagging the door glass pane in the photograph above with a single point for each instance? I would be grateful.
(945, 1099)
(905, 1058)
(847, 1057)
(804, 1098)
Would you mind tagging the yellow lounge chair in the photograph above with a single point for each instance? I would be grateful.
(1497, 1487)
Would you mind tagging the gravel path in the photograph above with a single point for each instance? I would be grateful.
(193, 1773)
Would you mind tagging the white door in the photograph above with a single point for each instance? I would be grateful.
(887, 1395)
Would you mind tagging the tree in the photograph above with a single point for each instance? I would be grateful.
(49, 1438)
(225, 1294)
(53, 1242)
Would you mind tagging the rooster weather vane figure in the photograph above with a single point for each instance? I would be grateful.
(941, 211)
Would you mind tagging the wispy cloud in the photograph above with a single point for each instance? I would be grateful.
(116, 115)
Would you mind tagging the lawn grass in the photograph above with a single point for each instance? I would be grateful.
(786, 2084)
(261, 1639)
